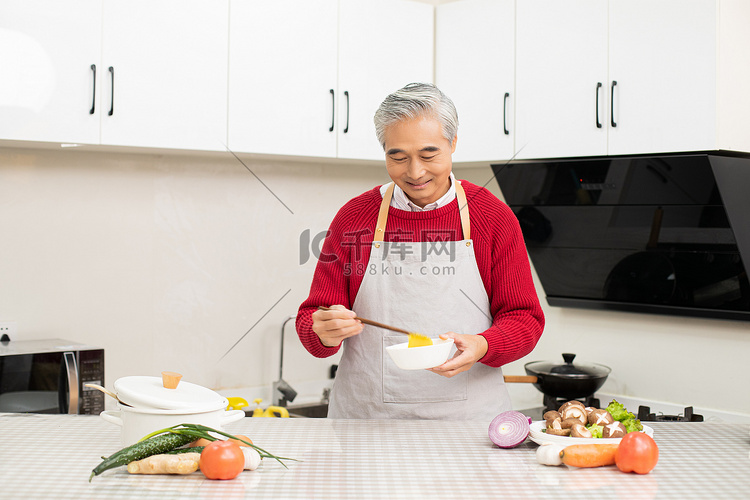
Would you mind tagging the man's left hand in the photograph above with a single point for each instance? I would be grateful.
(470, 349)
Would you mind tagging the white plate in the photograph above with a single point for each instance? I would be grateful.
(538, 435)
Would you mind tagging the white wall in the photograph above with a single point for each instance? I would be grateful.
(167, 260)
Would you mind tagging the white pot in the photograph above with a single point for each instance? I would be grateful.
(150, 406)
(139, 422)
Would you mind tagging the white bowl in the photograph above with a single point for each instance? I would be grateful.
(420, 358)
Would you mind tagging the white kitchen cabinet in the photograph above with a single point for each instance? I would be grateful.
(627, 76)
(307, 76)
(474, 66)
(168, 71)
(383, 46)
(49, 54)
(663, 57)
(561, 73)
(282, 77)
(170, 74)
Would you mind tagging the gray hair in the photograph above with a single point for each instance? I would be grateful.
(416, 100)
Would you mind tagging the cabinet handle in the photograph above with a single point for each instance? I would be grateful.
(93, 99)
(346, 128)
(612, 104)
(333, 110)
(112, 101)
(505, 107)
(598, 86)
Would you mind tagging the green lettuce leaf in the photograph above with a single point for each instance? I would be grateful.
(596, 430)
(632, 425)
(619, 412)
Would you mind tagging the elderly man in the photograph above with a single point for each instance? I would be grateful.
(430, 254)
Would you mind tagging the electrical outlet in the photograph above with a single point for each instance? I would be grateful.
(9, 328)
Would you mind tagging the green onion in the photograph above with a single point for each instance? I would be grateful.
(198, 431)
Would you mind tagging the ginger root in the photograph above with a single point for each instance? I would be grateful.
(181, 463)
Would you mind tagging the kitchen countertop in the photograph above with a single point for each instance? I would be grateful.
(51, 456)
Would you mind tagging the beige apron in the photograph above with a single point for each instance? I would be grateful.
(431, 288)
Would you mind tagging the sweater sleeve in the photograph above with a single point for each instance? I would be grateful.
(346, 246)
(518, 320)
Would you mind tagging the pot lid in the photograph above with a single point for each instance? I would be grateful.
(568, 369)
(149, 392)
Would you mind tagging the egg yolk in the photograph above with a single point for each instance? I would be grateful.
(417, 340)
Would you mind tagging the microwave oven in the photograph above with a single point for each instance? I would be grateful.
(48, 376)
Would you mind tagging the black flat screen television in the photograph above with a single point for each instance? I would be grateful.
(663, 234)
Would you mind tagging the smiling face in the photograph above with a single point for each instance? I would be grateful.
(418, 158)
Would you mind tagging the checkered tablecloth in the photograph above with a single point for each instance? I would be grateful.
(51, 456)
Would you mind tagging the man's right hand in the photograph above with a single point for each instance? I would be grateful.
(335, 325)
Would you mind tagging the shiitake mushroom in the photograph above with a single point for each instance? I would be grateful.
(600, 417)
(614, 430)
(551, 415)
(572, 417)
(569, 423)
(555, 428)
(570, 403)
(580, 430)
(575, 411)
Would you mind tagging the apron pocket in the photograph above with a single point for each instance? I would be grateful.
(419, 386)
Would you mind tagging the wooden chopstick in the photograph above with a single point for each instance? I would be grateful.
(375, 323)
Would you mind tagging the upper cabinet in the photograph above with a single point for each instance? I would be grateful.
(135, 73)
(50, 62)
(474, 66)
(282, 77)
(383, 46)
(627, 76)
(164, 74)
(662, 76)
(306, 76)
(561, 78)
(530, 79)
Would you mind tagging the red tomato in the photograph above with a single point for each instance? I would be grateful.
(637, 453)
(222, 460)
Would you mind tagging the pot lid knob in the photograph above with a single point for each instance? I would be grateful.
(568, 357)
(170, 380)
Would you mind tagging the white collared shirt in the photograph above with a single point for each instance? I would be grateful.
(402, 202)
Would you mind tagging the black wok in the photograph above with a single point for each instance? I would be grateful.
(567, 380)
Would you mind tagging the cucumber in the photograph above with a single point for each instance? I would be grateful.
(138, 451)
(194, 449)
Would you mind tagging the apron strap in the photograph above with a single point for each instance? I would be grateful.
(383, 215)
(386, 203)
(463, 207)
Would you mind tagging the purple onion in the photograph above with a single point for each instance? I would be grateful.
(509, 429)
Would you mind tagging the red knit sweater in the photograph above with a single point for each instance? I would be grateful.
(500, 253)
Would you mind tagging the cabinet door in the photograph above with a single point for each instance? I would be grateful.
(475, 52)
(383, 46)
(47, 49)
(561, 58)
(282, 80)
(169, 61)
(663, 57)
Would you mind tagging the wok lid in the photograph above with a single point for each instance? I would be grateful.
(568, 369)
